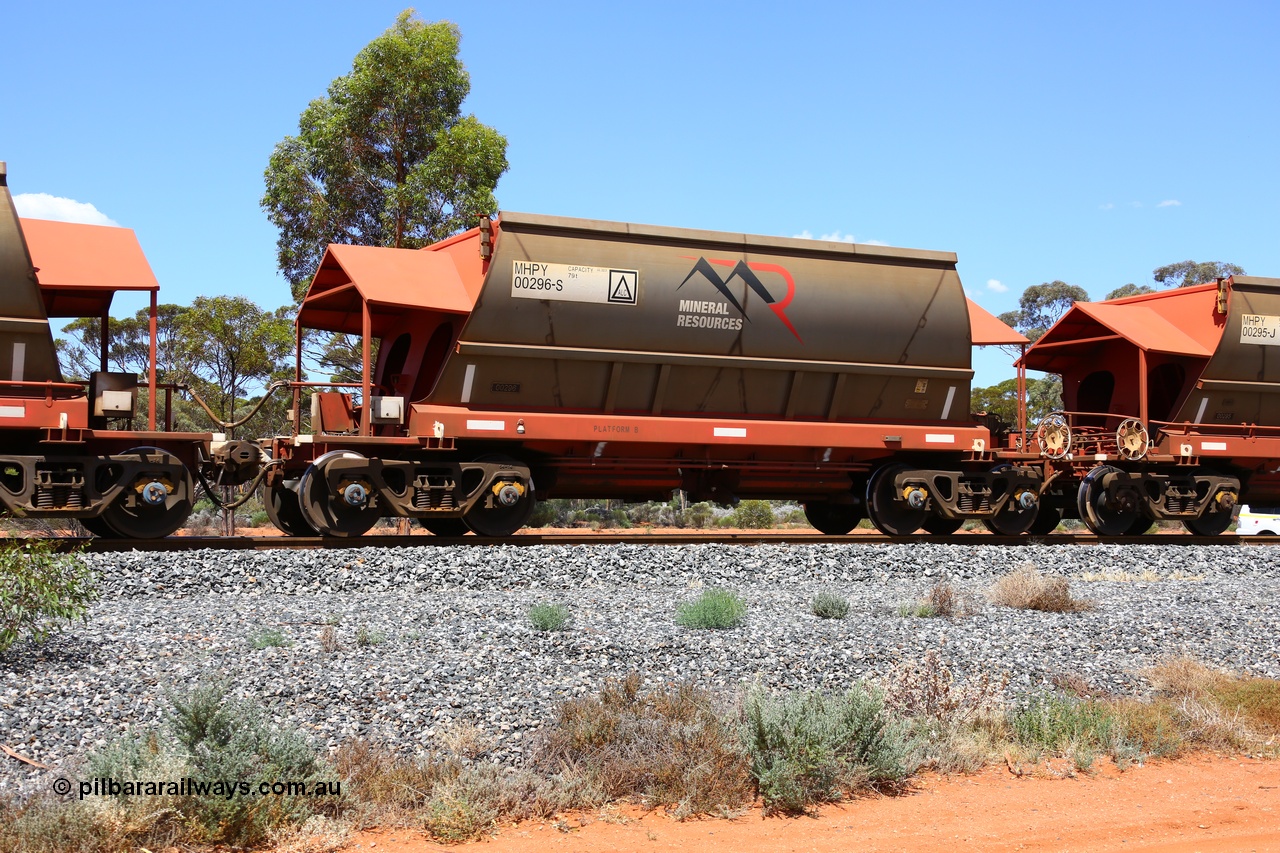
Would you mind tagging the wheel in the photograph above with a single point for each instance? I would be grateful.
(490, 517)
(1101, 516)
(330, 514)
(98, 528)
(144, 519)
(1047, 520)
(451, 527)
(832, 519)
(892, 517)
(1014, 519)
(285, 512)
(936, 525)
(1209, 524)
(1139, 527)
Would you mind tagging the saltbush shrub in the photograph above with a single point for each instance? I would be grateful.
(549, 617)
(715, 608)
(809, 748)
(828, 605)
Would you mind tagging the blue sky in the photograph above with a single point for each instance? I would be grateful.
(1088, 142)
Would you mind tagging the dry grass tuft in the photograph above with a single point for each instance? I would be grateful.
(927, 688)
(668, 746)
(942, 599)
(1218, 701)
(1027, 589)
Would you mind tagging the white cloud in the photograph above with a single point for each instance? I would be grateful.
(837, 237)
(1107, 206)
(997, 286)
(1170, 202)
(45, 206)
(1135, 204)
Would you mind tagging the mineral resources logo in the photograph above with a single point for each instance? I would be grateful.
(706, 314)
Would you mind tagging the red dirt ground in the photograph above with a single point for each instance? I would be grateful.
(1199, 804)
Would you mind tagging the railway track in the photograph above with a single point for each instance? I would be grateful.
(264, 543)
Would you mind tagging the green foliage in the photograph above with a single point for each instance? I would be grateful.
(205, 738)
(698, 515)
(386, 157)
(809, 748)
(234, 344)
(715, 608)
(269, 638)
(1130, 290)
(366, 638)
(40, 590)
(754, 515)
(1041, 305)
(1043, 396)
(549, 617)
(828, 605)
(1075, 728)
(1189, 273)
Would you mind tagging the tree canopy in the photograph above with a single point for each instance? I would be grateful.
(1041, 305)
(386, 158)
(1043, 396)
(1189, 273)
(1130, 289)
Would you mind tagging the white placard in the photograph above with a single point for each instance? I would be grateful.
(1263, 329)
(574, 283)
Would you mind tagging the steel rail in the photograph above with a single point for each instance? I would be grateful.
(266, 543)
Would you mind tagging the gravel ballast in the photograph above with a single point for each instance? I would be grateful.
(433, 638)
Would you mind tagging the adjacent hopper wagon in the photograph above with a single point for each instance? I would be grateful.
(68, 449)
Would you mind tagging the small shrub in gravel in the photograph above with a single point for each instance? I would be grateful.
(549, 617)
(41, 590)
(1027, 589)
(942, 599)
(365, 637)
(269, 638)
(828, 605)
(329, 640)
(715, 608)
(810, 748)
(671, 746)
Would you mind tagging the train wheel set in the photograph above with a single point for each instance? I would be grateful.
(539, 357)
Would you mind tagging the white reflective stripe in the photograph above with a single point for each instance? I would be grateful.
(13, 411)
(492, 426)
(1213, 445)
(19, 361)
(600, 447)
(468, 378)
(729, 432)
(826, 457)
(939, 438)
(1200, 413)
(946, 407)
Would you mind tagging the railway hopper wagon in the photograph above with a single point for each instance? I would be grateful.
(67, 448)
(1171, 407)
(537, 357)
